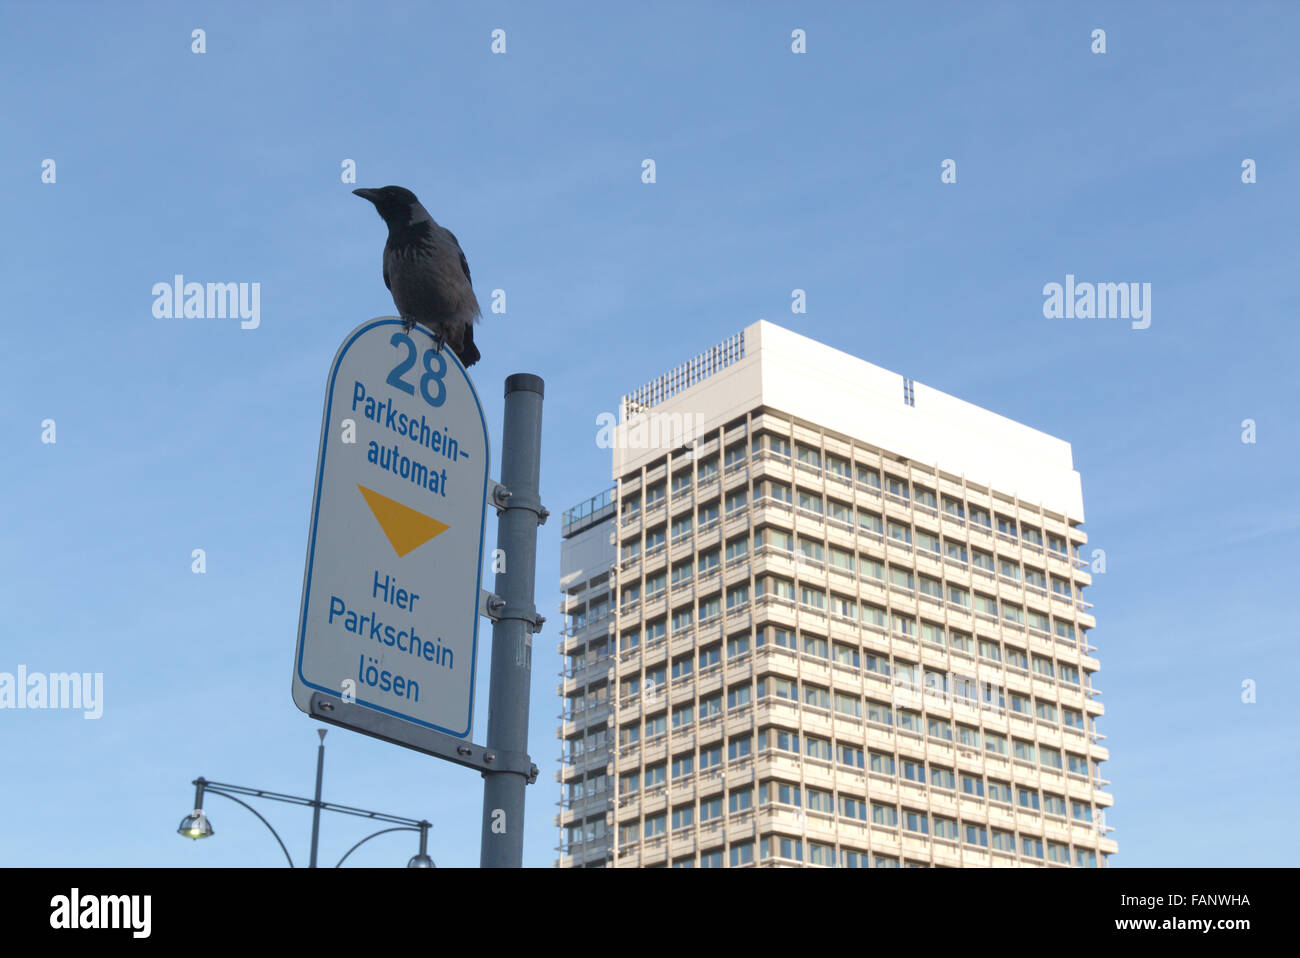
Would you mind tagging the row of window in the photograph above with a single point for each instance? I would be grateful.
(875, 711)
(915, 821)
(792, 849)
(842, 653)
(887, 764)
(867, 522)
(862, 614)
(862, 567)
(846, 752)
(850, 752)
(787, 847)
(962, 690)
(916, 770)
(856, 657)
(840, 468)
(949, 686)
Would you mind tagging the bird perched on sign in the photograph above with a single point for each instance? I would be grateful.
(426, 271)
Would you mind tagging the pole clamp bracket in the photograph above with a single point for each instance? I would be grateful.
(502, 498)
(492, 606)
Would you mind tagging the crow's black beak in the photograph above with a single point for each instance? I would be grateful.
(365, 194)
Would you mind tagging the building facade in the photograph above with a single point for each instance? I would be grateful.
(827, 616)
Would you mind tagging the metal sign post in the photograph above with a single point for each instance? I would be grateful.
(521, 512)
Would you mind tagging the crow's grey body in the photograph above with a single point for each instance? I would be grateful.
(426, 271)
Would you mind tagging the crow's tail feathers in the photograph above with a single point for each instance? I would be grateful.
(468, 353)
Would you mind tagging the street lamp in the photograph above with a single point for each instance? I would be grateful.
(195, 825)
(422, 859)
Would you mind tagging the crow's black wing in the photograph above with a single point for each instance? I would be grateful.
(464, 263)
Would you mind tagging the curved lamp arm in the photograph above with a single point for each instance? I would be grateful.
(209, 790)
(384, 831)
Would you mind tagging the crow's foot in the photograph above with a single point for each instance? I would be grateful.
(408, 324)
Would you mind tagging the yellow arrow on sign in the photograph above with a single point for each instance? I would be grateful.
(406, 528)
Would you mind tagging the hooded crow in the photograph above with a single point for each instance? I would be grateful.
(426, 271)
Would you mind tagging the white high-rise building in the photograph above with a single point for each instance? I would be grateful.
(827, 616)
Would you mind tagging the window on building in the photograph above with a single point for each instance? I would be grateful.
(999, 791)
(710, 809)
(850, 755)
(817, 748)
(820, 801)
(815, 646)
(816, 696)
(941, 777)
(808, 455)
(683, 715)
(783, 793)
(916, 821)
(738, 696)
(711, 706)
(899, 532)
(821, 855)
(848, 704)
(870, 523)
(854, 808)
(938, 728)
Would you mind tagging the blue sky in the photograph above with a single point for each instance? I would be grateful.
(775, 171)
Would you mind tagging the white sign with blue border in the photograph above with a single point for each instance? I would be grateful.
(390, 597)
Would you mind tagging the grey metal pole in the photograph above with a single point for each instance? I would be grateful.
(315, 812)
(512, 633)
